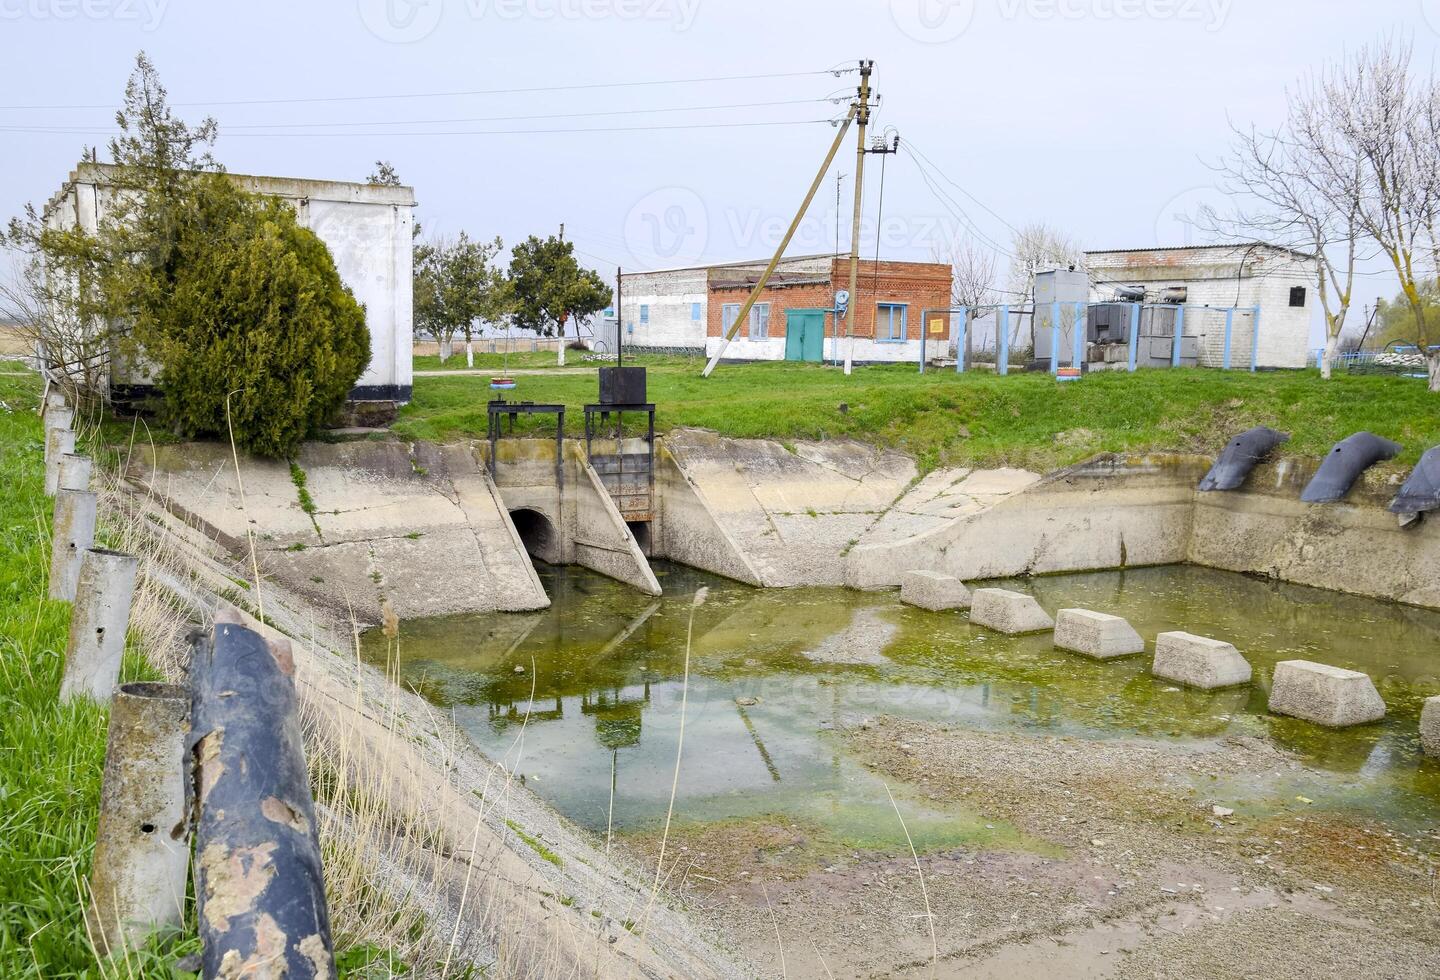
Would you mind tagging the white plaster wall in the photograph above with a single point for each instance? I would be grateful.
(670, 295)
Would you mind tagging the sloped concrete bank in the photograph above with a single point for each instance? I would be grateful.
(504, 882)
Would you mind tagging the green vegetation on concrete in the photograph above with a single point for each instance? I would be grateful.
(536, 845)
(53, 753)
(976, 418)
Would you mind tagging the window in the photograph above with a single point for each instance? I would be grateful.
(760, 321)
(695, 311)
(644, 312)
(890, 322)
(728, 313)
(1297, 295)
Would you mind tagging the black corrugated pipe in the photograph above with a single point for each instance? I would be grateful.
(1242, 454)
(1348, 458)
(258, 879)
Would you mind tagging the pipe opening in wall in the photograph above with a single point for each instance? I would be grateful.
(641, 531)
(536, 532)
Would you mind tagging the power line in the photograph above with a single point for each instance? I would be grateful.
(464, 132)
(329, 99)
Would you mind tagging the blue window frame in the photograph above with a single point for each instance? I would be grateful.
(644, 312)
(760, 321)
(728, 313)
(695, 311)
(890, 321)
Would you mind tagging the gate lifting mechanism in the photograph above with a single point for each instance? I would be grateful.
(628, 477)
(1093, 324)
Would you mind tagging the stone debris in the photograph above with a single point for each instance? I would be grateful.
(934, 591)
(1096, 634)
(1329, 696)
(1430, 726)
(1199, 661)
(1008, 612)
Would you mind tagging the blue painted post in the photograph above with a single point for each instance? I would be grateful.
(1255, 343)
(1079, 344)
(1229, 326)
(1179, 335)
(1055, 338)
(1002, 340)
(960, 341)
(1134, 333)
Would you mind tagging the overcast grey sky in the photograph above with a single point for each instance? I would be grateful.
(1095, 116)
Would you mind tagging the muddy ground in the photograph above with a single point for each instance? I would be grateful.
(1128, 868)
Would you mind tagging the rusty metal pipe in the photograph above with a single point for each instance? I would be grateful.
(59, 443)
(73, 534)
(258, 876)
(142, 847)
(98, 621)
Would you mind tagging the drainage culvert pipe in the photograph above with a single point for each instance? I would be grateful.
(258, 877)
(142, 846)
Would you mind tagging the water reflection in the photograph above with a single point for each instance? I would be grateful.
(774, 672)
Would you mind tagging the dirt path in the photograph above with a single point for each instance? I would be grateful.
(1131, 872)
(496, 372)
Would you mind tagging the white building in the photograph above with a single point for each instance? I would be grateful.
(365, 226)
(1281, 282)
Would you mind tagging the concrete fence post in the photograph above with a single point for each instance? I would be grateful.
(258, 880)
(74, 534)
(54, 400)
(98, 621)
(142, 846)
(59, 443)
(74, 472)
(57, 418)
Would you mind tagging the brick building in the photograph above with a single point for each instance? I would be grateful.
(794, 319)
(1280, 281)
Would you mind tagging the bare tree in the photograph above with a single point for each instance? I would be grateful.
(1378, 130)
(58, 329)
(1279, 181)
(973, 278)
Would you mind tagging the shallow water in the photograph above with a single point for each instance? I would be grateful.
(606, 664)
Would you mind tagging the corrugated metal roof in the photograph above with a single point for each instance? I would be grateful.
(1223, 246)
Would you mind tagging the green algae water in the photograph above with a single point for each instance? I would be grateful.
(773, 674)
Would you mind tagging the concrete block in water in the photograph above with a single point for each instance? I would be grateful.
(1430, 726)
(1198, 661)
(1008, 612)
(1096, 634)
(935, 591)
(1329, 696)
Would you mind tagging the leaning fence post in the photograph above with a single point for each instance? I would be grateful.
(142, 848)
(74, 472)
(59, 443)
(258, 876)
(74, 533)
(98, 622)
(57, 418)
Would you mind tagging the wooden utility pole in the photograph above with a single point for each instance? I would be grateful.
(861, 109)
(726, 337)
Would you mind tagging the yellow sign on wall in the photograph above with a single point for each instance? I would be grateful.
(937, 326)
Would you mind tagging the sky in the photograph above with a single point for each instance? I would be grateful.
(664, 133)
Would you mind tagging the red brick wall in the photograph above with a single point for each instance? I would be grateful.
(920, 285)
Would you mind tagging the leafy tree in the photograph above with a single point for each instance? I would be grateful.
(1396, 322)
(384, 175)
(548, 286)
(249, 324)
(456, 287)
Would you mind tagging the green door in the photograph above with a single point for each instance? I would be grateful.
(804, 335)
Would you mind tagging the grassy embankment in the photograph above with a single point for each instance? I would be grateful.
(51, 754)
(977, 418)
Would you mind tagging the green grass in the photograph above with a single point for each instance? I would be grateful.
(523, 357)
(52, 754)
(977, 418)
(536, 845)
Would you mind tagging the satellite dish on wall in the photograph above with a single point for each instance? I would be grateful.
(842, 300)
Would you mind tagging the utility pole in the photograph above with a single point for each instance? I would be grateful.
(862, 118)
